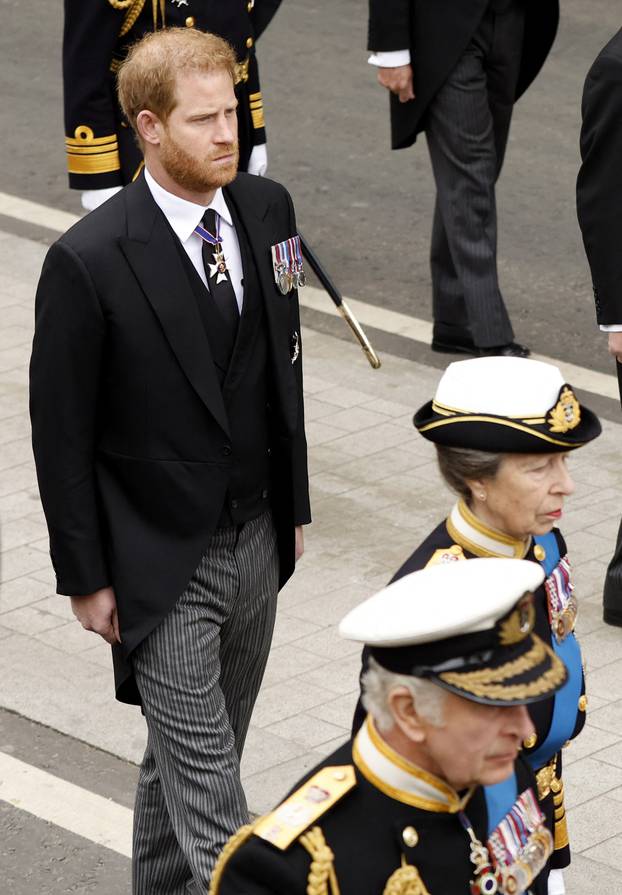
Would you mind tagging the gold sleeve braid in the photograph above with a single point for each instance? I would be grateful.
(322, 879)
(232, 845)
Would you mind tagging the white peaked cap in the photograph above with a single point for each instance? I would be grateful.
(503, 386)
(442, 601)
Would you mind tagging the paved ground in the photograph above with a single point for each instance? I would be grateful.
(375, 493)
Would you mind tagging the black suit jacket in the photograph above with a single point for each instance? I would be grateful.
(130, 431)
(437, 32)
(599, 185)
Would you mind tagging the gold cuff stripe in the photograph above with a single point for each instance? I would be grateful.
(93, 164)
(258, 119)
(486, 681)
(499, 422)
(253, 97)
(88, 154)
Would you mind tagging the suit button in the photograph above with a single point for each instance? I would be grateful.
(264, 495)
(249, 6)
(410, 836)
(234, 504)
(226, 450)
(190, 22)
(249, 42)
(269, 452)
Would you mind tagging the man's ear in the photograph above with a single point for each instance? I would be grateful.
(149, 127)
(404, 711)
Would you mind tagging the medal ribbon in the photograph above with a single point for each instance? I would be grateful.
(206, 235)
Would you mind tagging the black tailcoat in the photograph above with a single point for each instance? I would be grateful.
(437, 32)
(130, 431)
(599, 185)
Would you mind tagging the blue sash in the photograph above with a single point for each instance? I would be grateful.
(499, 800)
(565, 706)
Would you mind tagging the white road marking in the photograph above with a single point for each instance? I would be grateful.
(392, 322)
(71, 807)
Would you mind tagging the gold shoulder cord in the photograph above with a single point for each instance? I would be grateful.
(405, 881)
(232, 845)
(134, 8)
(322, 879)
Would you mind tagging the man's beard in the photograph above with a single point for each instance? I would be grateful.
(198, 175)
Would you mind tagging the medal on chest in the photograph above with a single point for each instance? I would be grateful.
(219, 267)
(562, 603)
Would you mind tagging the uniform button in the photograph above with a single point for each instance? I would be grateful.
(269, 452)
(539, 552)
(234, 504)
(226, 450)
(264, 494)
(531, 741)
(582, 702)
(249, 42)
(339, 775)
(249, 6)
(190, 22)
(410, 836)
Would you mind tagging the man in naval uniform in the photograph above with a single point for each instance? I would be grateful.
(168, 432)
(102, 154)
(401, 809)
(454, 69)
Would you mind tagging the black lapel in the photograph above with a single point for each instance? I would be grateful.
(263, 230)
(153, 257)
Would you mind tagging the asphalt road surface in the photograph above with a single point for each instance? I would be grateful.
(365, 209)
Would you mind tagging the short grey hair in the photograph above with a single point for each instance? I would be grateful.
(458, 465)
(378, 683)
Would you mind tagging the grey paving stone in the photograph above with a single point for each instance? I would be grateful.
(18, 478)
(69, 637)
(594, 822)
(587, 778)
(355, 419)
(266, 789)
(20, 532)
(289, 661)
(337, 711)
(29, 621)
(608, 718)
(308, 731)
(374, 440)
(341, 396)
(606, 681)
(339, 677)
(283, 701)
(21, 561)
(288, 630)
(319, 432)
(21, 592)
(612, 755)
(608, 852)
(601, 647)
(587, 877)
(265, 749)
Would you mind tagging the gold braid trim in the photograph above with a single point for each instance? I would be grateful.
(232, 845)
(405, 881)
(121, 4)
(322, 879)
(132, 14)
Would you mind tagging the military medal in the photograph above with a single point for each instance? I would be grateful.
(287, 264)
(219, 268)
(562, 603)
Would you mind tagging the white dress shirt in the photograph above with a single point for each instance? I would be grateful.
(183, 216)
(390, 58)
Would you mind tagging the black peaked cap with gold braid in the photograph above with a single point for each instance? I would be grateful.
(506, 405)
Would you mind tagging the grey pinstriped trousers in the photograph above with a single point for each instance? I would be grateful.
(198, 674)
(467, 131)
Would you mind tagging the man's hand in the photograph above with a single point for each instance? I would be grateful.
(98, 612)
(399, 81)
(300, 542)
(615, 346)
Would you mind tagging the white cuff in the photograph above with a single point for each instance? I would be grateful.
(92, 199)
(390, 58)
(611, 327)
(258, 161)
(556, 883)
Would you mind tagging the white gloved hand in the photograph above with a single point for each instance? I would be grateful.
(92, 199)
(258, 162)
(556, 883)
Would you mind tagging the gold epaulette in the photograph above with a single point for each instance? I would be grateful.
(446, 554)
(313, 799)
(232, 845)
(256, 104)
(88, 154)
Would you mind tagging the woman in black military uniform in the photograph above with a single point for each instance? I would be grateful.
(502, 429)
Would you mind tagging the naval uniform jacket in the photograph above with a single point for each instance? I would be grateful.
(131, 434)
(375, 839)
(101, 149)
(599, 185)
(448, 543)
(437, 32)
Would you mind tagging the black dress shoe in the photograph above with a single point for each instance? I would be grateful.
(453, 347)
(512, 349)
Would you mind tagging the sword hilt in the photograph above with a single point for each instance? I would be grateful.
(357, 329)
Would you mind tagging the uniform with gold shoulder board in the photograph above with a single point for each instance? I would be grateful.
(101, 151)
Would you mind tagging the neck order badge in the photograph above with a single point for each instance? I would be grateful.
(219, 267)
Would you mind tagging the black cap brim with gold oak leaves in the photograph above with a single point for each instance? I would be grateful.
(565, 426)
(505, 665)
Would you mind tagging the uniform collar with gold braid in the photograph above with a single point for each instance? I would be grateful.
(468, 531)
(399, 778)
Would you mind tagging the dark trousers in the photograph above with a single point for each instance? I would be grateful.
(612, 594)
(467, 130)
(198, 674)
